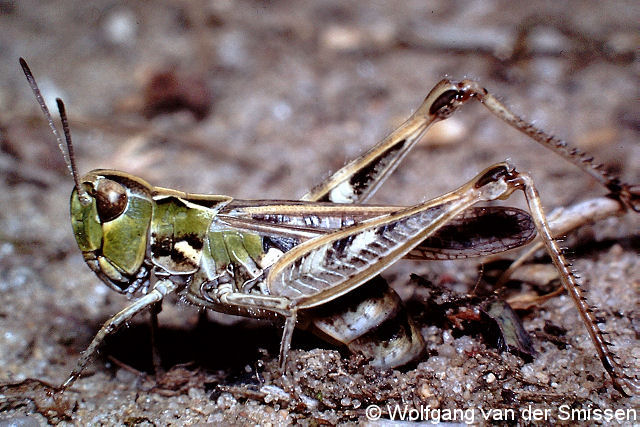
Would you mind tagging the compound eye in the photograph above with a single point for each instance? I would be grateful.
(111, 200)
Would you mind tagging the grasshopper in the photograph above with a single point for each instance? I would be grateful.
(265, 259)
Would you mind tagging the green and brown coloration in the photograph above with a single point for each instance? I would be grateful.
(291, 258)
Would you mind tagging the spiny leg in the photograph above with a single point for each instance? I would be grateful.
(580, 214)
(569, 281)
(355, 183)
(629, 195)
(160, 290)
(359, 179)
(324, 268)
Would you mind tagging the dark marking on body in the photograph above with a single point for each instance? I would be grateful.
(170, 200)
(161, 246)
(284, 244)
(442, 106)
(166, 247)
(312, 220)
(179, 258)
(133, 185)
(339, 247)
(360, 180)
(193, 239)
(492, 175)
(386, 229)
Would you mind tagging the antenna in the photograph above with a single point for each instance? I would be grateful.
(67, 153)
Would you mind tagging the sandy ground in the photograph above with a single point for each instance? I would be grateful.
(275, 97)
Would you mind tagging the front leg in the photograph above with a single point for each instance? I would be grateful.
(160, 290)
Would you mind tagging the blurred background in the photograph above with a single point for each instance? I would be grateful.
(262, 99)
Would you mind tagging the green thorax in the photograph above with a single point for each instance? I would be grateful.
(179, 228)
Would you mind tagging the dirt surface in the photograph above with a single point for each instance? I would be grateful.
(262, 100)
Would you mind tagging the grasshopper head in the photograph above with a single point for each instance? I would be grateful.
(110, 216)
(110, 212)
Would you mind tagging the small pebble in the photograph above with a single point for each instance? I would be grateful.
(120, 27)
